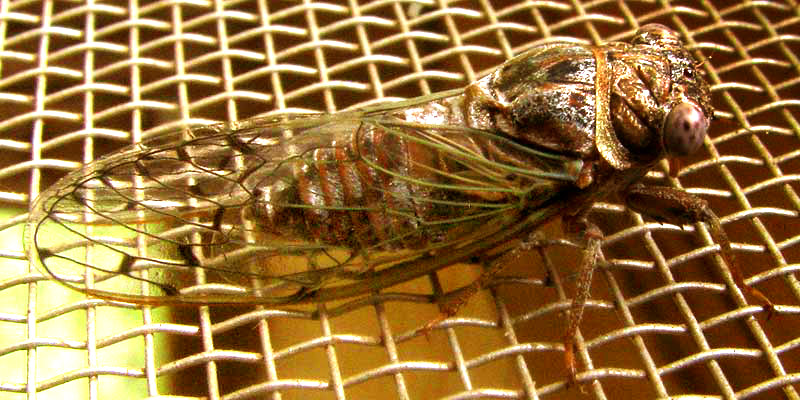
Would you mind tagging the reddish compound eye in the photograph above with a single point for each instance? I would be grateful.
(684, 129)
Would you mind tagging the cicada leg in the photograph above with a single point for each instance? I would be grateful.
(588, 237)
(584, 235)
(494, 263)
(678, 207)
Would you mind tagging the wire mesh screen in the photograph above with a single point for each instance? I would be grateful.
(665, 320)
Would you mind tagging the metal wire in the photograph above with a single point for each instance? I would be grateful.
(82, 79)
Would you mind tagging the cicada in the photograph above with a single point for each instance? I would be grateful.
(319, 207)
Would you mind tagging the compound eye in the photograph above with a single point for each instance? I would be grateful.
(684, 129)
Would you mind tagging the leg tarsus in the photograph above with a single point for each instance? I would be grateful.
(678, 207)
(726, 251)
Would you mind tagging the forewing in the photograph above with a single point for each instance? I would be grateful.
(174, 219)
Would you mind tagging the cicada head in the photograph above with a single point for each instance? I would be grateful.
(687, 108)
(660, 105)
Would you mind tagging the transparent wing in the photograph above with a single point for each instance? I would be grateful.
(283, 210)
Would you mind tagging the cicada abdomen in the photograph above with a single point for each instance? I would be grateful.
(389, 182)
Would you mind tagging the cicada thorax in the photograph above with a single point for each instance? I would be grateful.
(609, 103)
